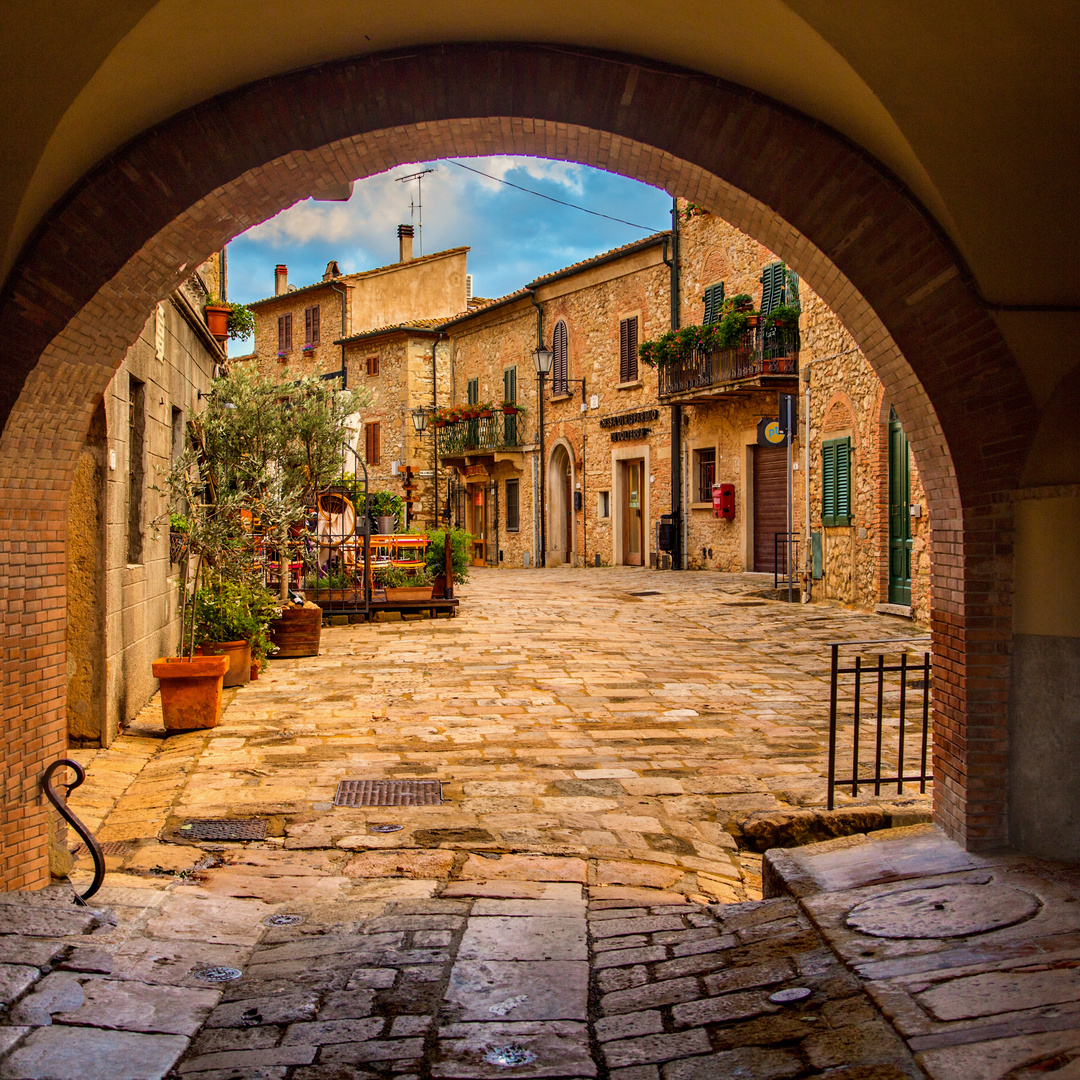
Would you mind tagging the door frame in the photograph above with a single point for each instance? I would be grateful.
(894, 425)
(558, 515)
(627, 452)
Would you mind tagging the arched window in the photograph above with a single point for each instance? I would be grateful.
(559, 371)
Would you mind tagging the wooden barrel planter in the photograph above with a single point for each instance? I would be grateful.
(297, 632)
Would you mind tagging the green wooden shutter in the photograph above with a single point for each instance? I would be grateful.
(791, 289)
(772, 286)
(836, 483)
(714, 301)
(474, 391)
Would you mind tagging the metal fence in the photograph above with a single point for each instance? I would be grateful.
(493, 432)
(765, 350)
(881, 696)
(783, 571)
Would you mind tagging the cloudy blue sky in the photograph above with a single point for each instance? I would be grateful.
(514, 236)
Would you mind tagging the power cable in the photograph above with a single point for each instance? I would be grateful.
(561, 202)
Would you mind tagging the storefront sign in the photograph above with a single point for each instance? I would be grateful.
(769, 433)
(631, 435)
(472, 471)
(639, 417)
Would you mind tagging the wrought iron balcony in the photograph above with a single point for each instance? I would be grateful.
(763, 354)
(482, 434)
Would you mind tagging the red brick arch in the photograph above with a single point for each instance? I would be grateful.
(130, 230)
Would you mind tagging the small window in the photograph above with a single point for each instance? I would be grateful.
(159, 331)
(714, 302)
(559, 359)
(372, 444)
(284, 333)
(513, 514)
(603, 504)
(836, 483)
(510, 428)
(628, 346)
(136, 467)
(705, 472)
(474, 392)
(372, 365)
(311, 326)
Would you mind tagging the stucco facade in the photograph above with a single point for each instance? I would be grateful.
(123, 601)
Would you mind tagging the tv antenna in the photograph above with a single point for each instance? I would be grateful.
(416, 206)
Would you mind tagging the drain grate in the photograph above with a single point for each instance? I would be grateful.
(110, 847)
(647, 592)
(388, 793)
(224, 829)
(283, 920)
(218, 974)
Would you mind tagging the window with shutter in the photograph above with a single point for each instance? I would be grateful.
(513, 514)
(773, 278)
(836, 483)
(372, 448)
(559, 361)
(714, 302)
(510, 385)
(628, 346)
(311, 325)
(510, 420)
(373, 365)
(474, 391)
(288, 332)
(281, 333)
(791, 290)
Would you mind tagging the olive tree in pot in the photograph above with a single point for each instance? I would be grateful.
(280, 445)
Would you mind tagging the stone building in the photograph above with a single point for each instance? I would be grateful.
(376, 325)
(606, 445)
(122, 600)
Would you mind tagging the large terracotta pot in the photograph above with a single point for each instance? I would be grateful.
(297, 632)
(190, 691)
(217, 320)
(239, 655)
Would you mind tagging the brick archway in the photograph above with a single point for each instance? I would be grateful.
(128, 233)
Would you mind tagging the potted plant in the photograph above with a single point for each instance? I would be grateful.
(435, 559)
(232, 618)
(402, 584)
(785, 315)
(225, 320)
(387, 512)
(511, 408)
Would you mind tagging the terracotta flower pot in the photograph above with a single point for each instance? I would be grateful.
(217, 320)
(190, 691)
(411, 593)
(254, 671)
(239, 655)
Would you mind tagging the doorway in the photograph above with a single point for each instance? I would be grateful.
(770, 505)
(633, 515)
(899, 514)
(477, 518)
(560, 539)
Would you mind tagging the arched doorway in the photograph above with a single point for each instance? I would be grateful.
(128, 233)
(561, 545)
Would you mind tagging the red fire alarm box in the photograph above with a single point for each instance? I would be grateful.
(723, 501)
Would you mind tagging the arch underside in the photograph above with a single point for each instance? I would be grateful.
(132, 231)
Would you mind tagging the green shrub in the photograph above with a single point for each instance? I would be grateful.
(460, 553)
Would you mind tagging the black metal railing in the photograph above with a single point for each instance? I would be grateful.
(498, 431)
(87, 837)
(898, 669)
(783, 571)
(765, 350)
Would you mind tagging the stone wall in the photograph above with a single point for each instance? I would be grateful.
(122, 620)
(296, 362)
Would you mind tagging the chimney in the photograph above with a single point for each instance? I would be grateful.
(281, 279)
(405, 235)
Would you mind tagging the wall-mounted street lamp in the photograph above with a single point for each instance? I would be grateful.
(542, 360)
(420, 419)
(420, 422)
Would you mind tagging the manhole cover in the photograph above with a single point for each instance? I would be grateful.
(647, 592)
(224, 829)
(384, 827)
(388, 793)
(218, 974)
(943, 912)
(789, 996)
(110, 847)
(282, 920)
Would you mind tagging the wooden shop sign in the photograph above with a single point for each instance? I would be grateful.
(642, 416)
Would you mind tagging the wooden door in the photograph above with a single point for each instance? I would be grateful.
(477, 523)
(770, 505)
(633, 507)
(899, 515)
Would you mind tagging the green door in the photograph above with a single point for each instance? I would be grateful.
(899, 515)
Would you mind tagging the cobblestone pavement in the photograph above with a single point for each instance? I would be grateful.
(555, 916)
(617, 723)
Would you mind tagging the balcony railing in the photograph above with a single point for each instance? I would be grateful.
(765, 350)
(483, 433)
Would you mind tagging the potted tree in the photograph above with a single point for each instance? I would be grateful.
(232, 617)
(435, 559)
(387, 511)
(279, 446)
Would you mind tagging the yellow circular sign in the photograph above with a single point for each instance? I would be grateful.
(773, 432)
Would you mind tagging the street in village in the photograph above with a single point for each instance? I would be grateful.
(584, 901)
